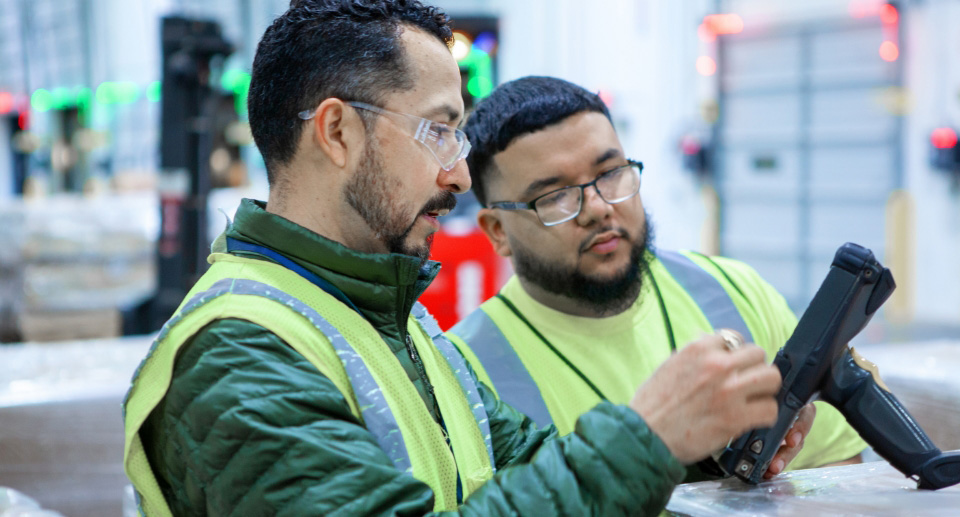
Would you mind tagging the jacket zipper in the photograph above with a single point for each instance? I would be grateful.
(412, 350)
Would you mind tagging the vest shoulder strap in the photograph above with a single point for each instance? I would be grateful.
(502, 364)
(706, 291)
(293, 321)
(154, 374)
(459, 366)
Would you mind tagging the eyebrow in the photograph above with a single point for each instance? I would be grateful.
(610, 153)
(539, 184)
(554, 180)
(445, 109)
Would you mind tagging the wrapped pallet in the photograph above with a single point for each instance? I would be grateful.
(80, 261)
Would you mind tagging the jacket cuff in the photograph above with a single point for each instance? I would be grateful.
(674, 470)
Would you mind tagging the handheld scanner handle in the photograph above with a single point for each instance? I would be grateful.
(855, 388)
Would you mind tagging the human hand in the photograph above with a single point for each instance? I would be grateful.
(707, 393)
(793, 442)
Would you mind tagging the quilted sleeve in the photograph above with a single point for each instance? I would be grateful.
(249, 427)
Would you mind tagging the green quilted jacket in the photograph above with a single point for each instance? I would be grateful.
(249, 427)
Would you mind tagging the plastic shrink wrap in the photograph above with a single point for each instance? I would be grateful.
(925, 377)
(871, 489)
(68, 264)
(15, 504)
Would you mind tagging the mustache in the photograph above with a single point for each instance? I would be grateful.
(586, 241)
(443, 201)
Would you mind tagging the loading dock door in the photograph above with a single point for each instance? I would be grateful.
(809, 149)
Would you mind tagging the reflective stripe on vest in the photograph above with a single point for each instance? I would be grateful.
(512, 379)
(376, 414)
(356, 381)
(503, 365)
(706, 291)
(459, 366)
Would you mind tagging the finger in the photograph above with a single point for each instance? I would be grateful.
(759, 381)
(805, 419)
(747, 356)
(783, 457)
(801, 426)
(776, 466)
(758, 413)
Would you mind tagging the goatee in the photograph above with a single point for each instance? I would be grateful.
(605, 295)
(373, 195)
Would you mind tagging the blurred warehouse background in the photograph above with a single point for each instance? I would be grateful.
(771, 132)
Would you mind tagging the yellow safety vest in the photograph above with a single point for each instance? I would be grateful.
(489, 340)
(343, 346)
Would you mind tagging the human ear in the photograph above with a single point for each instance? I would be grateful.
(491, 225)
(337, 131)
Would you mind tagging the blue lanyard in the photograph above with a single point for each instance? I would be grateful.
(238, 245)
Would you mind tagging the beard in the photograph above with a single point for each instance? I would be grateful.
(606, 295)
(373, 194)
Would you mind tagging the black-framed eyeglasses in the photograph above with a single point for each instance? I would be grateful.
(561, 205)
(448, 145)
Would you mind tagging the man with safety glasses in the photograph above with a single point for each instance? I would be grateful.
(594, 309)
(301, 377)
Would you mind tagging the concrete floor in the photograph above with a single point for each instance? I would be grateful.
(67, 456)
(61, 428)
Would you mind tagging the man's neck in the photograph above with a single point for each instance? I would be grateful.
(567, 305)
(324, 214)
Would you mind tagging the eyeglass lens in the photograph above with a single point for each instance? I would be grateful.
(615, 186)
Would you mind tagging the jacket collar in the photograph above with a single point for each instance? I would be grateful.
(384, 286)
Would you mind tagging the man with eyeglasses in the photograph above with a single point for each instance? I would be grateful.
(301, 377)
(594, 308)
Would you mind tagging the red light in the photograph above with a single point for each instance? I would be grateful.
(23, 121)
(606, 96)
(689, 145)
(943, 138)
(706, 34)
(706, 65)
(6, 102)
(723, 23)
(864, 8)
(889, 51)
(858, 9)
(889, 14)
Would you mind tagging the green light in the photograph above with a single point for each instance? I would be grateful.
(118, 92)
(480, 86)
(41, 100)
(105, 93)
(84, 97)
(476, 57)
(229, 79)
(62, 98)
(153, 91)
(127, 92)
(480, 69)
(241, 88)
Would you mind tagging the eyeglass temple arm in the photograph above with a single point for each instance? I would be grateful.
(512, 205)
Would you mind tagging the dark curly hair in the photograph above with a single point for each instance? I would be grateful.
(349, 49)
(514, 109)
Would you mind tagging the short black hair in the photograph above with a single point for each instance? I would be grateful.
(516, 108)
(317, 49)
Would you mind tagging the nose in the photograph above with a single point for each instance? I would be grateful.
(457, 179)
(592, 207)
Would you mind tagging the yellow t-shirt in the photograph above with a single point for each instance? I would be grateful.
(620, 352)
